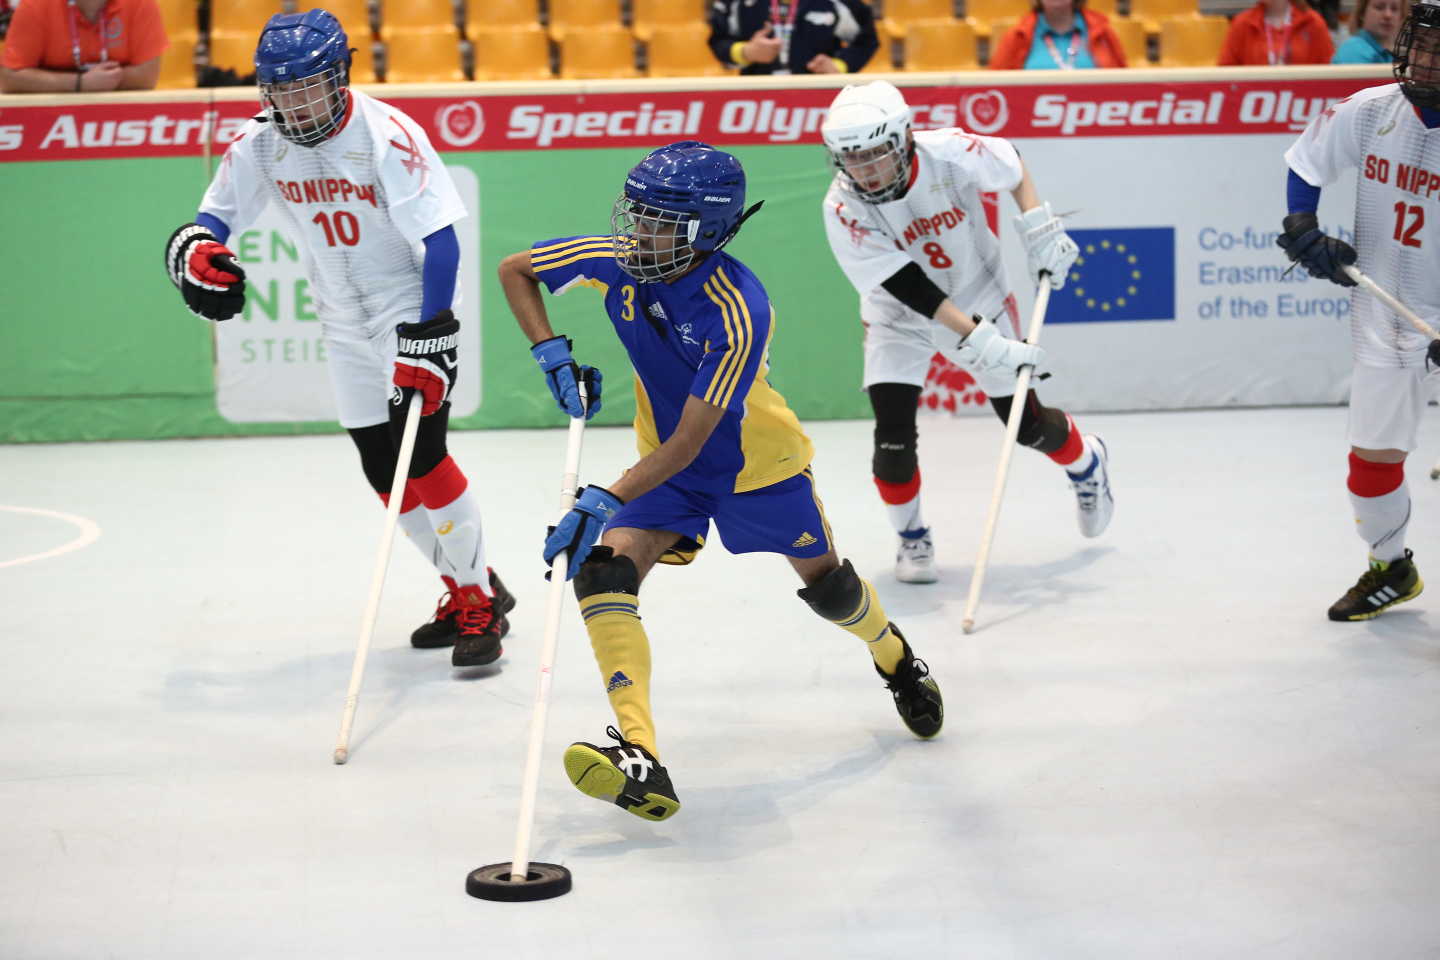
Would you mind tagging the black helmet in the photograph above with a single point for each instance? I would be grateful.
(1417, 55)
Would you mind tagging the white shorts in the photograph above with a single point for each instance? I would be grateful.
(1386, 404)
(362, 364)
(900, 342)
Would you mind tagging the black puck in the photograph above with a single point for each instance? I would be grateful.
(543, 881)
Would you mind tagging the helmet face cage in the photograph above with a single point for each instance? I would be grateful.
(1417, 56)
(652, 244)
(309, 110)
(877, 173)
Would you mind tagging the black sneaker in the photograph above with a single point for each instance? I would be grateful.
(917, 697)
(627, 776)
(441, 631)
(1379, 588)
(479, 627)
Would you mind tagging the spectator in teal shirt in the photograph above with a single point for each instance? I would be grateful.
(1379, 21)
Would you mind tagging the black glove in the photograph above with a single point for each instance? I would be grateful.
(205, 272)
(1322, 255)
(1432, 356)
(426, 359)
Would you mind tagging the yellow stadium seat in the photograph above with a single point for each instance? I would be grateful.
(417, 15)
(982, 14)
(940, 45)
(995, 29)
(1132, 38)
(884, 59)
(681, 50)
(570, 15)
(422, 56)
(362, 61)
(233, 51)
(1153, 11)
(488, 14)
(511, 53)
(181, 16)
(645, 15)
(1191, 41)
(1108, 7)
(242, 16)
(177, 63)
(908, 11)
(597, 52)
(354, 16)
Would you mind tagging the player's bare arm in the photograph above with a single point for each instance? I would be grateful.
(697, 421)
(522, 292)
(562, 374)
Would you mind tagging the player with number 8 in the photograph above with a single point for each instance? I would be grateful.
(359, 185)
(906, 221)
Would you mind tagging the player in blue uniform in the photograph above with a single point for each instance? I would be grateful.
(717, 443)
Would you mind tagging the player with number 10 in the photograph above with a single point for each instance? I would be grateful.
(360, 186)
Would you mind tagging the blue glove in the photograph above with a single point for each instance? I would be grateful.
(1323, 256)
(580, 528)
(561, 373)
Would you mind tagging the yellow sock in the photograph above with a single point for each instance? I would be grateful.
(623, 653)
(869, 622)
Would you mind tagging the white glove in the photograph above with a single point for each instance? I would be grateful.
(1047, 244)
(986, 351)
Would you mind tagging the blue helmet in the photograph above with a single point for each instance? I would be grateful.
(682, 200)
(302, 64)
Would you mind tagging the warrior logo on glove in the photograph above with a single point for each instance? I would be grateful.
(205, 272)
(427, 359)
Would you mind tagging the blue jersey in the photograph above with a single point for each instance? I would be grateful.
(706, 335)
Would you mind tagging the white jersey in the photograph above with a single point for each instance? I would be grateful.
(361, 203)
(1397, 212)
(939, 223)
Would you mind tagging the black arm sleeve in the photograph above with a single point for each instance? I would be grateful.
(863, 47)
(721, 39)
(911, 287)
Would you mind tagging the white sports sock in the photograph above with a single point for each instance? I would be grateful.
(905, 517)
(1381, 522)
(461, 540)
(1084, 462)
(416, 524)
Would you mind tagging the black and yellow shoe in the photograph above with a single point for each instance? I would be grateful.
(626, 775)
(917, 696)
(1379, 589)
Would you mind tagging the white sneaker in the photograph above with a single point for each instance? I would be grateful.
(915, 559)
(1092, 491)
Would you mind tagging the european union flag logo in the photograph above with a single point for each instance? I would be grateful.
(1124, 273)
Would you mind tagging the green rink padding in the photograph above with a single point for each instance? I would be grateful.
(97, 345)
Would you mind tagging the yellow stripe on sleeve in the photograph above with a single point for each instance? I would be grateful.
(566, 244)
(601, 250)
(722, 371)
(747, 336)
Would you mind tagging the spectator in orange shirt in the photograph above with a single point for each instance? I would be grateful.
(56, 46)
(1059, 35)
(1277, 32)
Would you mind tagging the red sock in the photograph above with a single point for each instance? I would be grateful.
(1073, 447)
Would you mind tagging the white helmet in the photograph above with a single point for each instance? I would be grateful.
(867, 133)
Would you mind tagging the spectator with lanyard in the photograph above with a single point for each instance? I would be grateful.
(1277, 32)
(793, 36)
(58, 46)
(1379, 22)
(1059, 35)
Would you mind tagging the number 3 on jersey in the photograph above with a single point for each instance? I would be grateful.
(346, 227)
(937, 256)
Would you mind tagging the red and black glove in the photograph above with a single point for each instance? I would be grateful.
(426, 360)
(205, 272)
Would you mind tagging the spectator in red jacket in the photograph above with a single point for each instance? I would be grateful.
(59, 46)
(1059, 35)
(1277, 32)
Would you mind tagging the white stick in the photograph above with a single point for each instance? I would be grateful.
(1012, 430)
(554, 603)
(377, 579)
(1385, 297)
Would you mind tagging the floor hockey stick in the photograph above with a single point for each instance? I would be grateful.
(1012, 430)
(520, 879)
(377, 579)
(1385, 297)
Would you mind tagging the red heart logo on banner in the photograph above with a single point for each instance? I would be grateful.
(986, 112)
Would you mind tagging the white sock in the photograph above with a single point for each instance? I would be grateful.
(1381, 522)
(1084, 462)
(905, 517)
(461, 540)
(416, 524)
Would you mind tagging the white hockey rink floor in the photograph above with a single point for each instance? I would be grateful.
(1156, 746)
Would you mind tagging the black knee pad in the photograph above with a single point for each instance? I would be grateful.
(604, 572)
(837, 594)
(895, 435)
(429, 439)
(377, 455)
(1041, 428)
